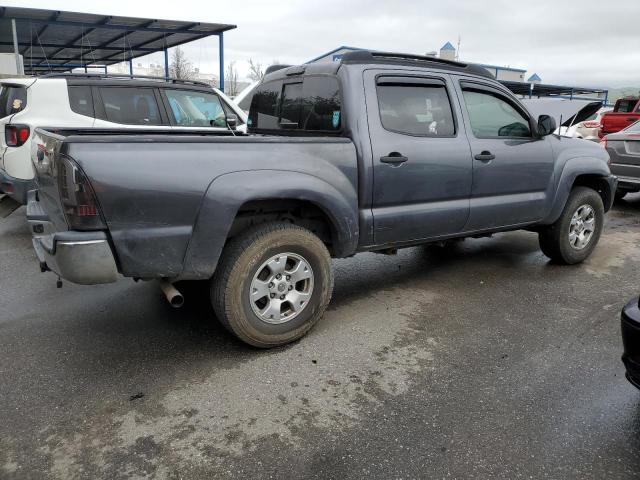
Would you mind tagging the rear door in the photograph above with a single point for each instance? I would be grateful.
(512, 168)
(421, 159)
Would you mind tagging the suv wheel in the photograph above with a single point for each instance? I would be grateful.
(572, 238)
(273, 284)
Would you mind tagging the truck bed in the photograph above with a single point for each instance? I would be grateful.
(168, 199)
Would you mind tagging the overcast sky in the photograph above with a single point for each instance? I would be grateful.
(586, 42)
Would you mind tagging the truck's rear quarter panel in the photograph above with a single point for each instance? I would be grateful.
(153, 193)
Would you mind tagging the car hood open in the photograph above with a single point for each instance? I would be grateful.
(569, 111)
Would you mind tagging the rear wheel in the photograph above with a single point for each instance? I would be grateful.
(572, 238)
(273, 284)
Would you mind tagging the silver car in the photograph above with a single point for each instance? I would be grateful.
(624, 149)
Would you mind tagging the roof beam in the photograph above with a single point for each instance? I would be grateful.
(128, 28)
(121, 37)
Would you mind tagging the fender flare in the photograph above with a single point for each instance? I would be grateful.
(228, 192)
(572, 169)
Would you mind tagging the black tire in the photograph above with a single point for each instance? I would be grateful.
(620, 194)
(554, 239)
(242, 259)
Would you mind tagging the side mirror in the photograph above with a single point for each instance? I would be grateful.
(546, 125)
(232, 121)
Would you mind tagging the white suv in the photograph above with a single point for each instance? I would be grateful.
(100, 101)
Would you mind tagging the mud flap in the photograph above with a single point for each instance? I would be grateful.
(7, 205)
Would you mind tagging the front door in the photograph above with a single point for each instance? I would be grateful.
(421, 159)
(512, 167)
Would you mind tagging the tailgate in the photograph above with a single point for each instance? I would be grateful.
(45, 150)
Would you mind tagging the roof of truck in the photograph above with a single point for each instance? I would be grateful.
(366, 57)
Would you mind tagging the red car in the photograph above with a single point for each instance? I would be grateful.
(625, 113)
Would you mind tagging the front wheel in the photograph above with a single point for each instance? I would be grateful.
(273, 284)
(572, 238)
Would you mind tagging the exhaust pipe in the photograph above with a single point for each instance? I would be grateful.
(174, 297)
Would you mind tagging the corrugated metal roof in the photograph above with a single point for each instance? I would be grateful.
(53, 40)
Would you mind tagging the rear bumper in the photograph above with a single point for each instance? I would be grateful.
(85, 258)
(15, 188)
(630, 326)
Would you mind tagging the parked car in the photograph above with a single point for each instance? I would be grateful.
(625, 112)
(589, 128)
(624, 149)
(630, 326)
(374, 153)
(568, 113)
(98, 101)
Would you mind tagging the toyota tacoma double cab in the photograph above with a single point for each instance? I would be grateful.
(377, 152)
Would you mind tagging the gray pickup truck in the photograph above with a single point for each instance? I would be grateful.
(374, 153)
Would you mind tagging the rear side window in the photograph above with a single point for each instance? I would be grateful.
(13, 99)
(80, 100)
(422, 110)
(312, 105)
(196, 109)
(491, 115)
(129, 105)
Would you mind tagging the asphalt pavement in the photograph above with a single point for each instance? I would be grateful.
(477, 360)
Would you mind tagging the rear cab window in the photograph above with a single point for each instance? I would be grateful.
(626, 105)
(309, 104)
(129, 106)
(13, 99)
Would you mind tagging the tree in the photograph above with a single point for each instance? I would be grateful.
(180, 66)
(255, 71)
(231, 80)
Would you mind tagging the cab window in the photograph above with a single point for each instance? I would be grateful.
(421, 110)
(196, 109)
(493, 116)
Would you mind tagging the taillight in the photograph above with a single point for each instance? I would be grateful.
(16, 135)
(591, 124)
(78, 198)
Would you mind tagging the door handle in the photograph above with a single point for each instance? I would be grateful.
(485, 156)
(394, 158)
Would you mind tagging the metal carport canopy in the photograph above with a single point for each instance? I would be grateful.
(55, 41)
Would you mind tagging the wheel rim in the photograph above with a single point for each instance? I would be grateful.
(281, 288)
(583, 224)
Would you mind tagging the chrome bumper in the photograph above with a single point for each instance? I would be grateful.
(79, 257)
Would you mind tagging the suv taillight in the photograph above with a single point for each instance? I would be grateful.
(79, 202)
(16, 135)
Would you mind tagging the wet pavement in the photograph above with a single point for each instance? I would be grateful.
(477, 360)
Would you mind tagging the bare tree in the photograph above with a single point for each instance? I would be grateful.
(255, 71)
(180, 66)
(231, 80)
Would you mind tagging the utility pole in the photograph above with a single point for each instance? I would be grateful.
(19, 66)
